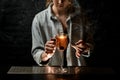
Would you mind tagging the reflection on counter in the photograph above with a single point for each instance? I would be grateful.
(54, 73)
(43, 70)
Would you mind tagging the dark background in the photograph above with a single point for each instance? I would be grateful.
(15, 32)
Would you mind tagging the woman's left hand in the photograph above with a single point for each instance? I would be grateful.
(80, 48)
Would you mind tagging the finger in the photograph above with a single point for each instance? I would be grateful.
(77, 54)
(81, 46)
(80, 41)
(53, 39)
(50, 45)
(49, 48)
(80, 49)
(47, 51)
(50, 51)
(50, 42)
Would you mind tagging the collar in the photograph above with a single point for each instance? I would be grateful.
(52, 16)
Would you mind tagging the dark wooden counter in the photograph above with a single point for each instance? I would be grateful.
(53, 73)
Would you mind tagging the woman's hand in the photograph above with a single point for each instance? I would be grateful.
(50, 46)
(49, 50)
(80, 48)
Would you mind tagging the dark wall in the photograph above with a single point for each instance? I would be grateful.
(15, 31)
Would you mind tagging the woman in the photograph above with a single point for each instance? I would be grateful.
(60, 14)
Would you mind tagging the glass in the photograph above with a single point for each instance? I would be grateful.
(61, 41)
(61, 44)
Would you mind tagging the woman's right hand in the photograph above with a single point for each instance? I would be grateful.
(50, 47)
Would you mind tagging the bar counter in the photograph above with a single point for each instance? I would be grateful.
(53, 73)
